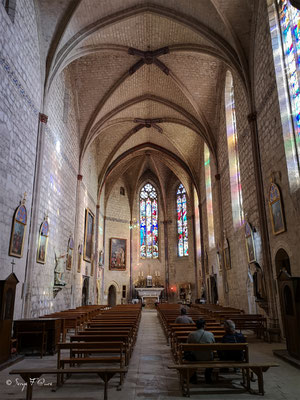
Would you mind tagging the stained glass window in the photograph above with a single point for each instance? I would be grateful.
(285, 34)
(182, 224)
(148, 222)
(209, 203)
(234, 165)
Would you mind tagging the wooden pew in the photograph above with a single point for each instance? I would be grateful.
(31, 375)
(84, 353)
(187, 368)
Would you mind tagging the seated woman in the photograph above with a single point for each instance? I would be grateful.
(231, 336)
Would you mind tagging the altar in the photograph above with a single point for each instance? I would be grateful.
(149, 295)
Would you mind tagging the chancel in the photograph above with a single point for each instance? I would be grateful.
(150, 170)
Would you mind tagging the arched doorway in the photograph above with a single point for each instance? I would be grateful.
(85, 292)
(214, 289)
(112, 296)
(282, 262)
(283, 267)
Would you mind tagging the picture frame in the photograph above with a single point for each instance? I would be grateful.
(80, 248)
(43, 242)
(226, 255)
(88, 235)
(250, 246)
(18, 231)
(117, 258)
(70, 254)
(276, 211)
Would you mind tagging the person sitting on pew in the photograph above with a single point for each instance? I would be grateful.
(183, 318)
(201, 336)
(231, 336)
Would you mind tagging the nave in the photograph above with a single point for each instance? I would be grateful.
(149, 378)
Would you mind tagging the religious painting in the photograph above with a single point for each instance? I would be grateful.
(79, 258)
(43, 242)
(117, 260)
(226, 255)
(276, 213)
(250, 243)
(18, 231)
(70, 254)
(88, 235)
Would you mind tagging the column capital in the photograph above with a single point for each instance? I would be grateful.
(97, 206)
(217, 177)
(79, 177)
(43, 118)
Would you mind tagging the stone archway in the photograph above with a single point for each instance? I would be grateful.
(282, 265)
(282, 262)
(112, 296)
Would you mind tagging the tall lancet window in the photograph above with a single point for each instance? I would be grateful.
(148, 222)
(182, 224)
(209, 202)
(233, 156)
(285, 34)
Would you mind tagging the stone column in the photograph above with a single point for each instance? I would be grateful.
(130, 266)
(166, 259)
(96, 257)
(195, 258)
(202, 249)
(103, 267)
(77, 234)
(271, 307)
(34, 221)
(221, 237)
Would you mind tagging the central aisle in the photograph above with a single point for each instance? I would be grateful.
(148, 376)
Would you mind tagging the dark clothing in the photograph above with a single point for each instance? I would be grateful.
(232, 355)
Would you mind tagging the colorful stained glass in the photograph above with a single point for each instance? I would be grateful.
(182, 224)
(274, 193)
(148, 222)
(285, 35)
(289, 17)
(209, 203)
(234, 165)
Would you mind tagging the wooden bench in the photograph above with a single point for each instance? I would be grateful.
(124, 338)
(186, 371)
(30, 375)
(188, 367)
(84, 353)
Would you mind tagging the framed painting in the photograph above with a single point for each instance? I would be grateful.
(250, 243)
(226, 254)
(43, 242)
(88, 235)
(79, 258)
(117, 259)
(18, 231)
(70, 254)
(276, 213)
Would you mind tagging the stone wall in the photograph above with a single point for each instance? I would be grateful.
(20, 93)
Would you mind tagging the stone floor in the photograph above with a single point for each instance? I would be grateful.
(149, 378)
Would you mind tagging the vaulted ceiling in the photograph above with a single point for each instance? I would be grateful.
(148, 76)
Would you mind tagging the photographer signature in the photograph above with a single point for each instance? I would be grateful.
(32, 381)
